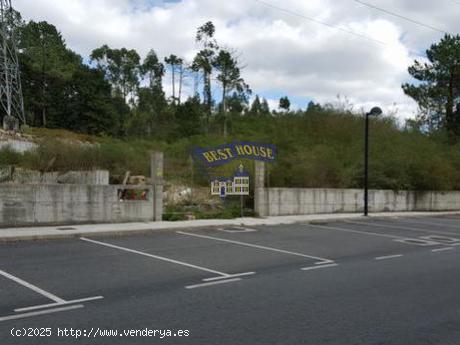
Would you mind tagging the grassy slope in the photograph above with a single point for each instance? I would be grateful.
(316, 150)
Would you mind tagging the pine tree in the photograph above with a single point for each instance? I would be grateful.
(285, 103)
(438, 90)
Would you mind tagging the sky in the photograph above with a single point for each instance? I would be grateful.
(358, 61)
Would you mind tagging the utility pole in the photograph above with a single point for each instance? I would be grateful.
(11, 98)
(376, 111)
(366, 167)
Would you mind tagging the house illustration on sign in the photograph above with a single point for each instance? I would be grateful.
(236, 185)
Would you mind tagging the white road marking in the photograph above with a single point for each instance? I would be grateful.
(394, 237)
(322, 260)
(32, 287)
(229, 276)
(213, 283)
(402, 228)
(154, 256)
(43, 306)
(419, 242)
(318, 267)
(37, 313)
(441, 238)
(442, 249)
(429, 223)
(356, 231)
(237, 230)
(388, 257)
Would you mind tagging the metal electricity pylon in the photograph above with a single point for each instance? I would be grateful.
(11, 99)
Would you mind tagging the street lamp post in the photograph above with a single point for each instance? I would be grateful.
(376, 111)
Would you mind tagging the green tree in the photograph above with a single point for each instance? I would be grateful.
(154, 70)
(47, 65)
(285, 103)
(314, 107)
(237, 104)
(121, 67)
(151, 100)
(259, 107)
(438, 88)
(188, 118)
(229, 76)
(59, 90)
(89, 106)
(203, 61)
(176, 65)
(264, 107)
(256, 107)
(150, 114)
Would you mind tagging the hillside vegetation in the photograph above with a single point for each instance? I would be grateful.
(321, 148)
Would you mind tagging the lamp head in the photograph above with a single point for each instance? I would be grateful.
(376, 111)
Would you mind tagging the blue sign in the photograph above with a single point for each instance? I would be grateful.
(226, 153)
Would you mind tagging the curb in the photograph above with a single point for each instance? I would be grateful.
(258, 222)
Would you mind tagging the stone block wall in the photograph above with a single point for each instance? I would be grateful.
(55, 204)
(302, 201)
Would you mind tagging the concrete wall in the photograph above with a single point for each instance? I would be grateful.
(37, 204)
(100, 177)
(299, 201)
(18, 145)
(9, 174)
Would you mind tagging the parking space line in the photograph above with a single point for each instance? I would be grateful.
(32, 287)
(213, 283)
(442, 249)
(388, 257)
(428, 223)
(356, 231)
(237, 231)
(395, 238)
(419, 242)
(37, 313)
(318, 267)
(321, 260)
(59, 304)
(441, 238)
(229, 276)
(155, 256)
(401, 228)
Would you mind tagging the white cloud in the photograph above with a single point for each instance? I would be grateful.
(283, 54)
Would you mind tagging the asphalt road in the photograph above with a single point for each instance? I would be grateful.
(392, 281)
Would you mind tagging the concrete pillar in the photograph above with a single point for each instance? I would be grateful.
(10, 123)
(157, 177)
(260, 193)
